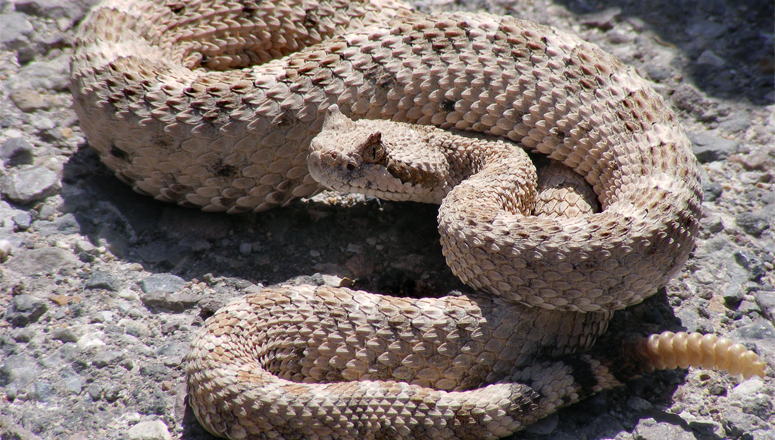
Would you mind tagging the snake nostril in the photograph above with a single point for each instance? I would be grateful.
(350, 167)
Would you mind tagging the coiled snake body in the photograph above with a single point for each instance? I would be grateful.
(214, 103)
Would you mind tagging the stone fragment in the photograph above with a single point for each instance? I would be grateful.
(65, 334)
(42, 391)
(709, 148)
(709, 58)
(107, 358)
(25, 309)
(19, 369)
(753, 223)
(602, 20)
(14, 30)
(103, 280)
(173, 302)
(766, 302)
(12, 431)
(29, 100)
(43, 260)
(16, 151)
(650, 429)
(163, 282)
(30, 184)
(23, 221)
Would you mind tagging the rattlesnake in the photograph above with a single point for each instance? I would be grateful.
(214, 104)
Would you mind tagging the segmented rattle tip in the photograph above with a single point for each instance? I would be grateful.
(671, 350)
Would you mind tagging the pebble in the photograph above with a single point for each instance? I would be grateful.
(30, 100)
(163, 283)
(14, 27)
(16, 151)
(709, 148)
(152, 430)
(64, 334)
(42, 261)
(753, 223)
(23, 221)
(25, 309)
(103, 280)
(42, 391)
(91, 340)
(19, 370)
(107, 358)
(6, 248)
(30, 184)
(709, 58)
(650, 429)
(766, 302)
(173, 302)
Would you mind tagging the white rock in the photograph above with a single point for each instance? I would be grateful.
(155, 430)
(91, 340)
(747, 388)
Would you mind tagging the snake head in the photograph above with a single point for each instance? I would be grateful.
(385, 159)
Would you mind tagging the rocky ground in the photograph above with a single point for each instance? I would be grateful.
(103, 288)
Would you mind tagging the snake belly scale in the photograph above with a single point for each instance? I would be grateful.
(214, 104)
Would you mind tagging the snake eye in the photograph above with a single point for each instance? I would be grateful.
(373, 151)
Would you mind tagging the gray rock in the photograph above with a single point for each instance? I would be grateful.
(95, 391)
(766, 302)
(163, 282)
(709, 58)
(64, 334)
(25, 309)
(658, 73)
(30, 100)
(23, 221)
(753, 223)
(12, 431)
(44, 8)
(733, 294)
(603, 20)
(137, 329)
(30, 184)
(107, 358)
(42, 261)
(711, 191)
(245, 248)
(650, 429)
(18, 369)
(14, 29)
(103, 280)
(736, 423)
(16, 151)
(155, 430)
(47, 75)
(42, 391)
(72, 382)
(737, 121)
(66, 224)
(709, 148)
(173, 302)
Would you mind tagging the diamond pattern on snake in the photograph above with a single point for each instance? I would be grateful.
(245, 105)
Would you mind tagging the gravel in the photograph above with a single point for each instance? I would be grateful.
(101, 289)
